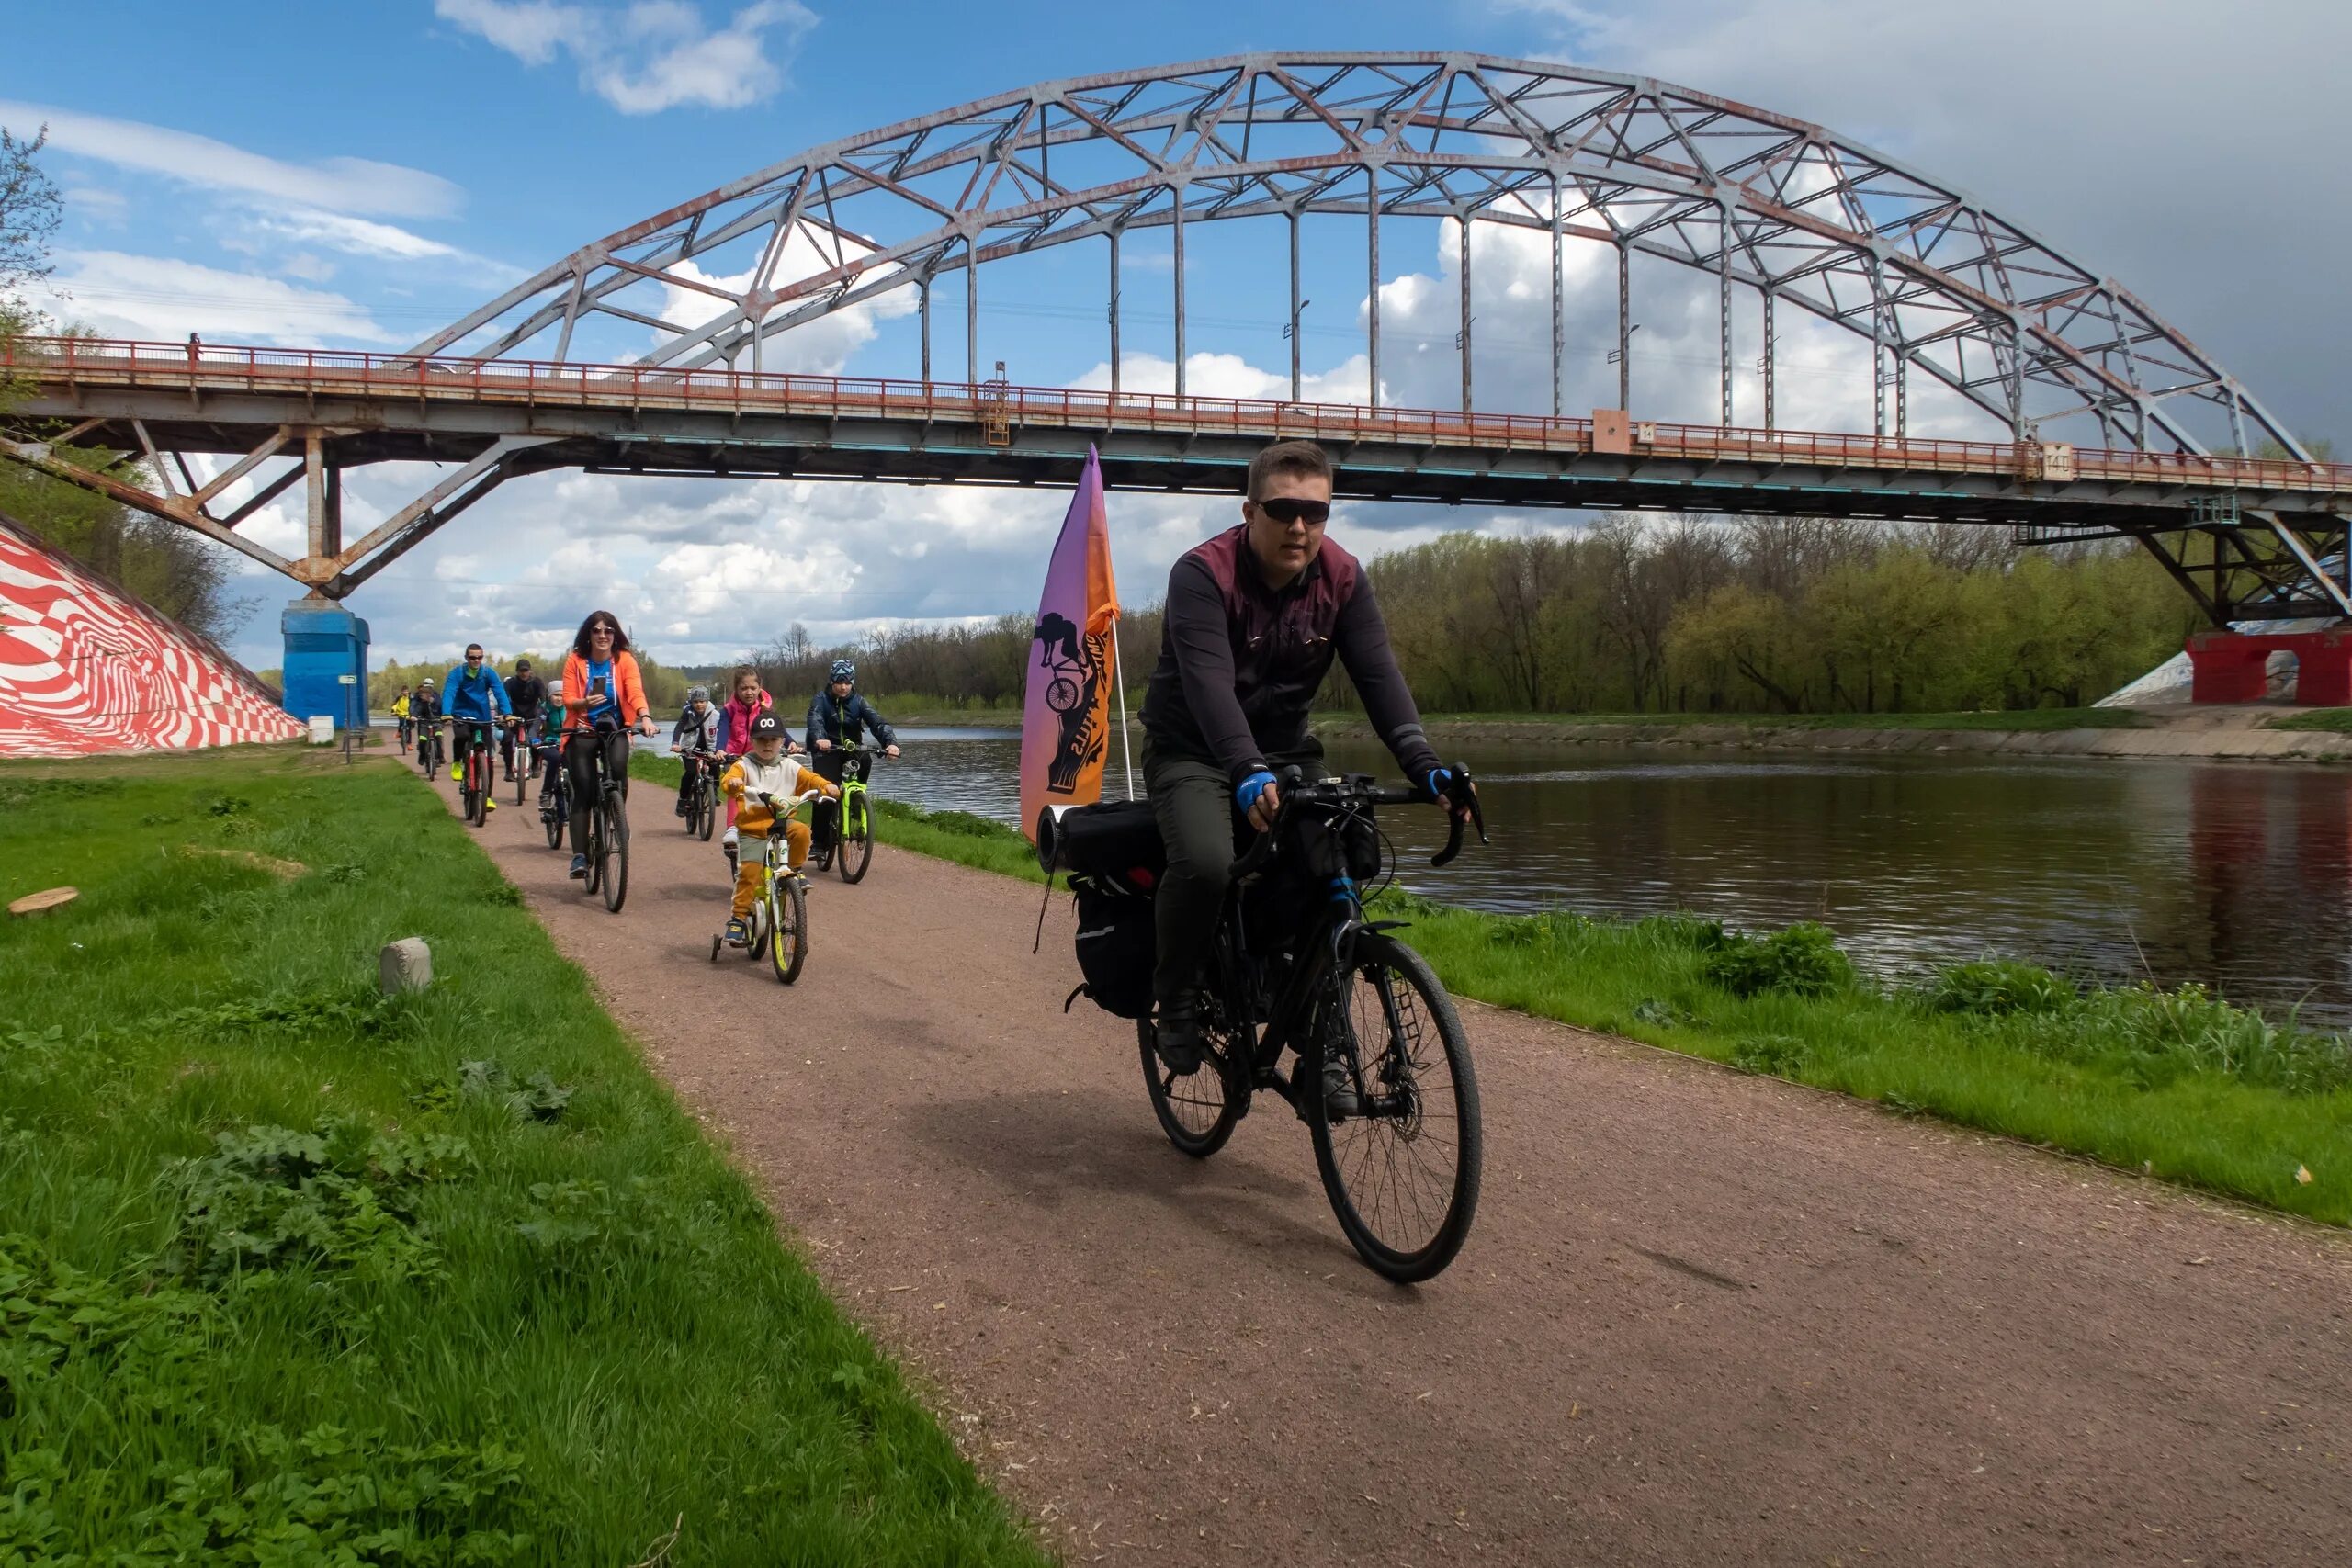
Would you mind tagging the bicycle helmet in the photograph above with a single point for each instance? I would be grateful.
(844, 671)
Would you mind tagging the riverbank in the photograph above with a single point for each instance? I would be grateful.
(2176, 1085)
(2252, 732)
(288, 1270)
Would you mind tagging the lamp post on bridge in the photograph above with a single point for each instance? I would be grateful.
(1291, 331)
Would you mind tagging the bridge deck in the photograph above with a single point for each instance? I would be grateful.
(652, 419)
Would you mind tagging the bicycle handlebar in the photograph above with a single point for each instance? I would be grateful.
(1358, 790)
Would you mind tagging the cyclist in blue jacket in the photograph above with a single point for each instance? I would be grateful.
(840, 715)
(474, 699)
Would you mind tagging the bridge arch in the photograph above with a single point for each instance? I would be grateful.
(2061, 361)
(1933, 280)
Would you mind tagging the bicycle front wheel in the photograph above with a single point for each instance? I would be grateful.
(857, 840)
(613, 841)
(788, 949)
(1402, 1173)
(555, 826)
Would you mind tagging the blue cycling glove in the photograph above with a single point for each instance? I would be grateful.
(1246, 793)
(1439, 780)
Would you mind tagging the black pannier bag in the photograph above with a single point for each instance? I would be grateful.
(1115, 948)
(1114, 859)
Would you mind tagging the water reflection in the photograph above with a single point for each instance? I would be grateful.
(2236, 874)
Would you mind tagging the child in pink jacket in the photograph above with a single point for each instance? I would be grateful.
(744, 704)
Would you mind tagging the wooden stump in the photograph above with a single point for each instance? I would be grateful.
(41, 902)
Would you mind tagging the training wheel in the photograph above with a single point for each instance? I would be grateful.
(716, 943)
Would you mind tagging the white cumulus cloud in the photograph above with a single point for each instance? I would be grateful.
(121, 295)
(335, 185)
(647, 56)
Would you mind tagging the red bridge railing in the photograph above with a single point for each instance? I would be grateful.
(218, 367)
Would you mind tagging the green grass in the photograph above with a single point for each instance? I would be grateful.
(2032, 719)
(2176, 1085)
(2333, 721)
(288, 1273)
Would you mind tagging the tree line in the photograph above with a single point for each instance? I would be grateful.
(1787, 615)
(665, 685)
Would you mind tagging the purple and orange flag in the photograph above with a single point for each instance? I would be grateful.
(1073, 662)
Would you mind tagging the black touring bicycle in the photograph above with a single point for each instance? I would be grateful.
(1298, 968)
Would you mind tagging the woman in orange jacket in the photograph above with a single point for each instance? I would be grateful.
(602, 697)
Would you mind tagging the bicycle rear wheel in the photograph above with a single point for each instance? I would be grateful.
(614, 839)
(1197, 1110)
(788, 948)
(1402, 1174)
(856, 849)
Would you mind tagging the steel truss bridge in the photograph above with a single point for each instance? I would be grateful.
(2107, 422)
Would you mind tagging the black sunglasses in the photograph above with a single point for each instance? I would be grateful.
(608, 631)
(1289, 509)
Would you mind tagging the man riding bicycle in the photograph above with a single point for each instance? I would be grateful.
(694, 737)
(525, 693)
(838, 715)
(475, 702)
(1254, 618)
(602, 697)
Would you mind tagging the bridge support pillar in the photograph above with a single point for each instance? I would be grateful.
(2234, 667)
(2226, 668)
(326, 661)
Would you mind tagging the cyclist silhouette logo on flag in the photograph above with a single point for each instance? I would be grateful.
(1073, 673)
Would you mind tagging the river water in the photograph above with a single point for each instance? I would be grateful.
(2235, 874)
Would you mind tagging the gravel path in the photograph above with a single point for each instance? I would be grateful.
(1703, 1317)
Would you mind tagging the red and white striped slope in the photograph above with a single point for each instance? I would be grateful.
(85, 668)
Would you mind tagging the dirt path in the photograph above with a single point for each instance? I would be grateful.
(1702, 1319)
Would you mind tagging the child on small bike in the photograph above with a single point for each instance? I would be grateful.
(746, 701)
(764, 770)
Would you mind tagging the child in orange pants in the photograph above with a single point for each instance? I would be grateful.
(765, 771)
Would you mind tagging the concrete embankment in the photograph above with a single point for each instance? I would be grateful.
(2220, 734)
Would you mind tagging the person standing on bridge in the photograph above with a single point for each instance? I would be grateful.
(602, 696)
(1254, 618)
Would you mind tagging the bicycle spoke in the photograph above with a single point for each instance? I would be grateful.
(1403, 1168)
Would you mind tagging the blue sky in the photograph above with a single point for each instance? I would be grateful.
(359, 175)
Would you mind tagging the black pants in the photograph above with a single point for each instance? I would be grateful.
(687, 763)
(580, 750)
(463, 733)
(824, 815)
(513, 744)
(1193, 803)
